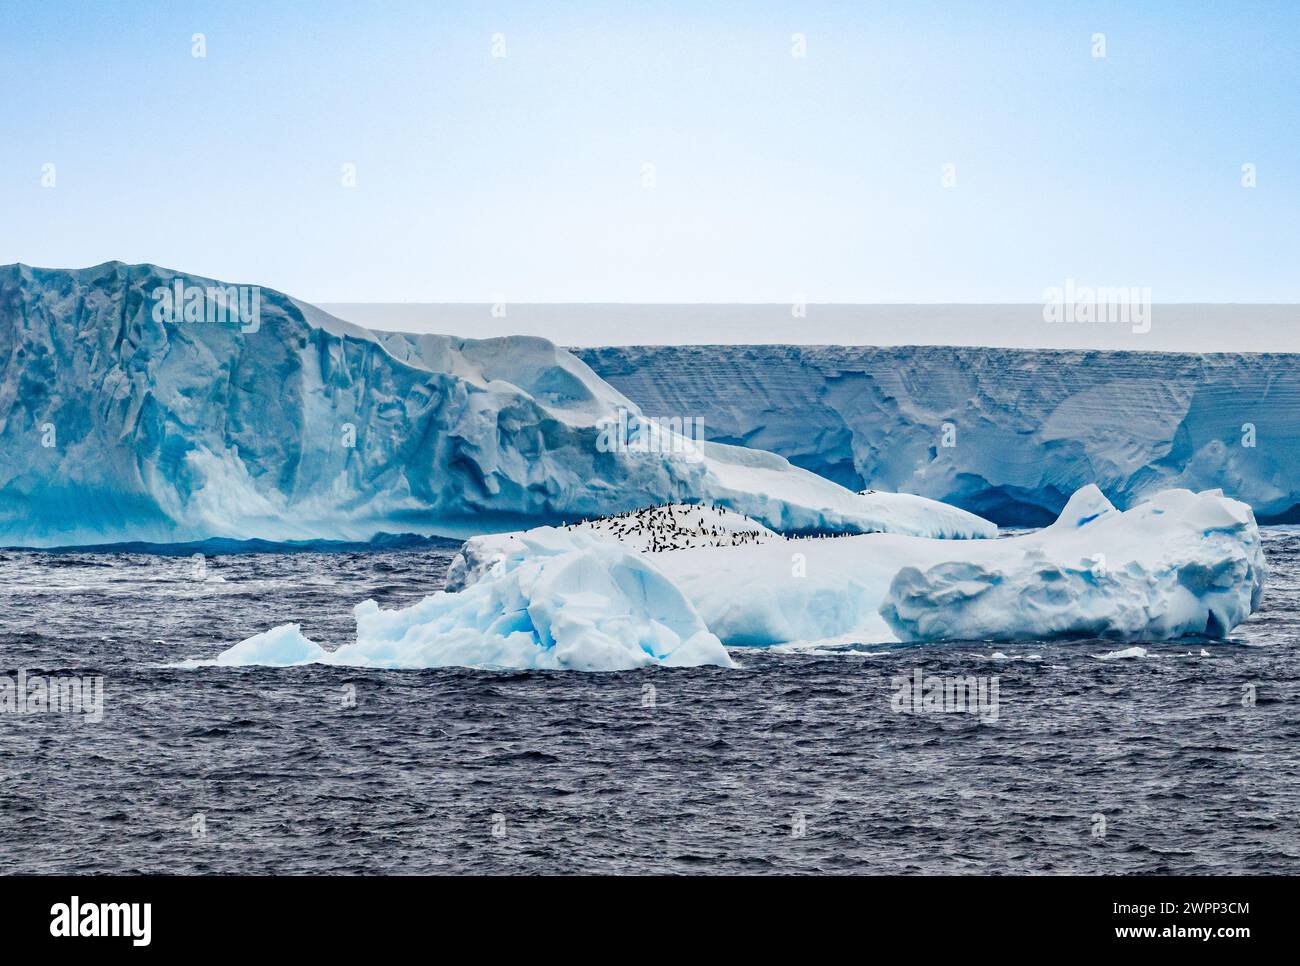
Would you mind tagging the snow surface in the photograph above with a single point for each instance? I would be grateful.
(1028, 427)
(568, 599)
(655, 529)
(118, 427)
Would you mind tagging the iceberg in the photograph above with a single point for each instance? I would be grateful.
(283, 646)
(1008, 434)
(120, 422)
(604, 596)
(1179, 564)
(566, 600)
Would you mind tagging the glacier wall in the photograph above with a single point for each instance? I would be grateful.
(120, 422)
(1027, 427)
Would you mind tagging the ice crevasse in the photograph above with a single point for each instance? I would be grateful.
(1177, 565)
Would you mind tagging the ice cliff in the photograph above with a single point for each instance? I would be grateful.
(1008, 434)
(120, 421)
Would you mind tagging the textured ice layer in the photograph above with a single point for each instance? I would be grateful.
(1181, 564)
(567, 600)
(117, 426)
(1006, 433)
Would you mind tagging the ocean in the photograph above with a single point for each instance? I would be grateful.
(1095, 758)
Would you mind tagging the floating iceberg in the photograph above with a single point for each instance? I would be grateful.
(584, 598)
(1180, 564)
(566, 600)
(283, 646)
(120, 423)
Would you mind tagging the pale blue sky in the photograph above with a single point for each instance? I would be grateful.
(775, 176)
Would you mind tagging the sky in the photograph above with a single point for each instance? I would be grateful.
(660, 152)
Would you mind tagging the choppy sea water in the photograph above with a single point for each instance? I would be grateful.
(795, 762)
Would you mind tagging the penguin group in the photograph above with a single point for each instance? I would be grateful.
(674, 526)
(680, 526)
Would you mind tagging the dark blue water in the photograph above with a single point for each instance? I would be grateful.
(792, 763)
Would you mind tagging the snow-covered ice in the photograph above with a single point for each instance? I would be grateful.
(676, 526)
(1179, 564)
(654, 529)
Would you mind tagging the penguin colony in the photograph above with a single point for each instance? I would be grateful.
(679, 526)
